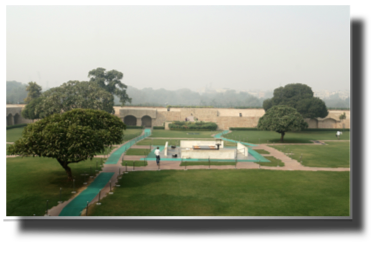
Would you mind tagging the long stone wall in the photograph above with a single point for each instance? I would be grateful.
(223, 117)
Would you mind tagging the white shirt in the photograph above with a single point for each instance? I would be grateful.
(338, 133)
(157, 151)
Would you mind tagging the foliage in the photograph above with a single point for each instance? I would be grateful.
(16, 92)
(111, 82)
(31, 110)
(34, 91)
(343, 116)
(75, 94)
(70, 137)
(16, 126)
(300, 97)
(158, 127)
(188, 125)
(282, 119)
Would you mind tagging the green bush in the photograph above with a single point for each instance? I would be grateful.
(16, 126)
(158, 127)
(187, 125)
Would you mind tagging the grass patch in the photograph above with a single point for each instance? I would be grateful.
(143, 152)
(32, 181)
(259, 137)
(273, 162)
(260, 151)
(134, 162)
(129, 134)
(183, 134)
(205, 163)
(106, 151)
(14, 134)
(334, 154)
(228, 193)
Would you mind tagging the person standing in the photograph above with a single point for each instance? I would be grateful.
(157, 155)
(338, 134)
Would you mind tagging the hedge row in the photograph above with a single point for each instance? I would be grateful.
(187, 125)
(158, 127)
(16, 126)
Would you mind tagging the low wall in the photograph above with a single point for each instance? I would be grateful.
(242, 149)
(165, 148)
(189, 144)
(212, 154)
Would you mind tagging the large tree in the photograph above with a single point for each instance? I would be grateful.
(111, 82)
(282, 119)
(300, 97)
(34, 91)
(75, 94)
(71, 137)
(31, 110)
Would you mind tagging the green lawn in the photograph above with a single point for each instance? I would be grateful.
(273, 162)
(14, 134)
(260, 151)
(228, 193)
(205, 163)
(32, 181)
(129, 134)
(135, 162)
(259, 137)
(143, 152)
(183, 134)
(334, 154)
(175, 142)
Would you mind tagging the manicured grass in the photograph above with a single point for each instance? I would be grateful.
(143, 152)
(14, 134)
(228, 193)
(183, 134)
(32, 181)
(135, 162)
(160, 142)
(334, 154)
(273, 162)
(175, 142)
(260, 151)
(205, 163)
(129, 134)
(259, 137)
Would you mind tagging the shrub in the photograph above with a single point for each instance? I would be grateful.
(134, 127)
(158, 127)
(187, 125)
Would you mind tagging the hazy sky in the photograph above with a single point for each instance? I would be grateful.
(173, 47)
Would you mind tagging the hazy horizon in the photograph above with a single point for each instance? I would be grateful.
(174, 47)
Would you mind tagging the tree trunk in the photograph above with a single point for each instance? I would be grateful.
(282, 137)
(67, 169)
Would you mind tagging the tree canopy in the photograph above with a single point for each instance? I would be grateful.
(34, 91)
(111, 82)
(16, 92)
(282, 119)
(71, 95)
(31, 110)
(300, 97)
(70, 137)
